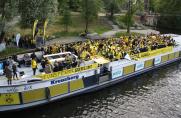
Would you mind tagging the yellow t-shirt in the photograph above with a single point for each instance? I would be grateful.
(33, 64)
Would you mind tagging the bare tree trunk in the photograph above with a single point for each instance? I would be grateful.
(86, 26)
(129, 17)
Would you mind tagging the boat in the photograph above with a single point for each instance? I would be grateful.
(93, 75)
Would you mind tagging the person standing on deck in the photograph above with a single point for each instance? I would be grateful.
(15, 75)
(34, 65)
(8, 73)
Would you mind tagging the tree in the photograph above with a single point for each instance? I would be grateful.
(66, 19)
(113, 6)
(133, 7)
(73, 5)
(8, 9)
(30, 10)
(170, 11)
(90, 9)
(154, 5)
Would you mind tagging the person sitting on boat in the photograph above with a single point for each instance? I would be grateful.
(43, 64)
(48, 68)
(34, 65)
(8, 73)
(27, 59)
(56, 67)
(68, 60)
(61, 65)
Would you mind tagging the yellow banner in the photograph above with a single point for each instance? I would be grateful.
(44, 29)
(155, 52)
(34, 28)
(9, 99)
(67, 72)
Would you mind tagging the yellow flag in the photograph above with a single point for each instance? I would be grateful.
(44, 30)
(34, 28)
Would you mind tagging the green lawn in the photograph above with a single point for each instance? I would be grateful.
(11, 51)
(56, 28)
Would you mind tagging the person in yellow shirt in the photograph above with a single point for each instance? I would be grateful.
(34, 65)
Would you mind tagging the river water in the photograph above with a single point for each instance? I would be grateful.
(155, 94)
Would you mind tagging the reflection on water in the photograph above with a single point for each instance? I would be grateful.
(156, 94)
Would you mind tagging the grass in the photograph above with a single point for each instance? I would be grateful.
(56, 28)
(11, 51)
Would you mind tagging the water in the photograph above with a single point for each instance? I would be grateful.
(155, 94)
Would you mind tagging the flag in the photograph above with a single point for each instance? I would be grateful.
(44, 30)
(127, 57)
(34, 28)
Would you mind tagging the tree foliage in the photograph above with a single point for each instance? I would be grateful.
(66, 19)
(113, 6)
(30, 10)
(170, 13)
(134, 7)
(89, 10)
(74, 5)
(8, 9)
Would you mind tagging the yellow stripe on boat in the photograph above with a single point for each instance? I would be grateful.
(34, 95)
(58, 89)
(76, 85)
(156, 52)
(128, 69)
(9, 99)
(171, 56)
(149, 63)
(177, 54)
(67, 72)
(164, 58)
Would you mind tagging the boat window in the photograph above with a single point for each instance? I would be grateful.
(1, 68)
(55, 57)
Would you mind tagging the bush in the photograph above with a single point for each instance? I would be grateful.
(121, 21)
(170, 22)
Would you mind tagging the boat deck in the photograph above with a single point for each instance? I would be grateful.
(29, 73)
(23, 79)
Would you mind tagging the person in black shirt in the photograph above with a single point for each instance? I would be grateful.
(14, 68)
(33, 55)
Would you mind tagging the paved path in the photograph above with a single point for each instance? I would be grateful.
(113, 32)
(64, 40)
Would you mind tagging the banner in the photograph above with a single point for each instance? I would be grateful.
(34, 28)
(67, 72)
(157, 60)
(44, 30)
(140, 66)
(117, 73)
(155, 52)
(9, 99)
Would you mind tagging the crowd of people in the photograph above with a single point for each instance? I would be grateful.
(113, 48)
(25, 41)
